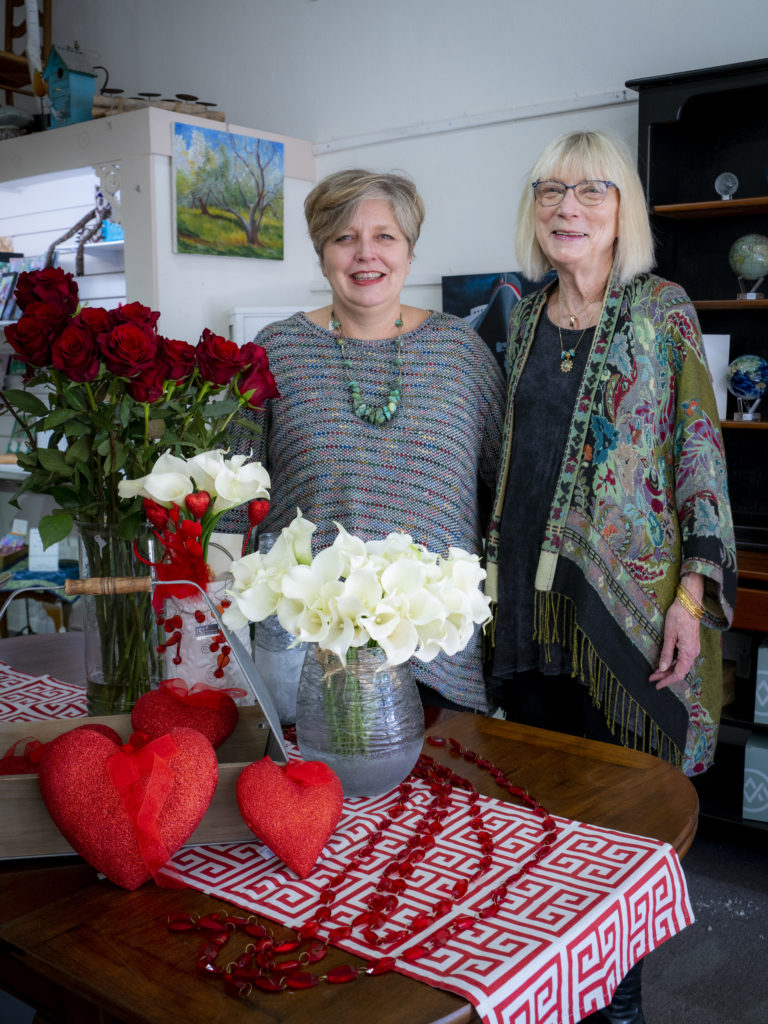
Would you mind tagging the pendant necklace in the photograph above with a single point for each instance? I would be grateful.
(573, 318)
(567, 355)
(375, 414)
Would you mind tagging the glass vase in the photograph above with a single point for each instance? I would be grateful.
(362, 718)
(120, 636)
(277, 656)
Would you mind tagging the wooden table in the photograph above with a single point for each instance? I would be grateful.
(86, 951)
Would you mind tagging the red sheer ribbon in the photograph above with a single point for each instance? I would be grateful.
(200, 695)
(176, 564)
(24, 763)
(143, 777)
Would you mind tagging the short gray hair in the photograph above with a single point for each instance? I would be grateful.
(334, 200)
(573, 157)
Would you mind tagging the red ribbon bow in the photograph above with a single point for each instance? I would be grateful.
(24, 763)
(144, 778)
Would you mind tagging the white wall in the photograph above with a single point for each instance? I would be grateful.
(341, 72)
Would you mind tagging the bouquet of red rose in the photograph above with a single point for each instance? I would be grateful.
(112, 393)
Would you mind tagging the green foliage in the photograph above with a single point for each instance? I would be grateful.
(85, 437)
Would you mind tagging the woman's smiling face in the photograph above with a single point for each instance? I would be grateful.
(573, 236)
(367, 261)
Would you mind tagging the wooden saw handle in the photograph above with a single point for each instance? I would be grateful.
(105, 586)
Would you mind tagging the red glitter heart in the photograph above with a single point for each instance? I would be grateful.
(293, 809)
(198, 503)
(212, 712)
(77, 781)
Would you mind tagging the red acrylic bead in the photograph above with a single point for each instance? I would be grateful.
(301, 980)
(182, 924)
(340, 975)
(267, 984)
(415, 953)
(460, 888)
(316, 952)
(286, 947)
(200, 615)
(382, 966)
(436, 741)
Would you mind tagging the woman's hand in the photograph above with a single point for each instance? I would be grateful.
(682, 641)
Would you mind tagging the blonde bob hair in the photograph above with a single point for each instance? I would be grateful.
(333, 202)
(584, 155)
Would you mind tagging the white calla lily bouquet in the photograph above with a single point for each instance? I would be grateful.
(393, 593)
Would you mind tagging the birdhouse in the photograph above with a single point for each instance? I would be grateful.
(71, 84)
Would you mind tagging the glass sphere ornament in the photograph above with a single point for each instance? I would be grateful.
(748, 259)
(747, 378)
(726, 184)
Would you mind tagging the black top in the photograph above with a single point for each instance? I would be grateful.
(543, 406)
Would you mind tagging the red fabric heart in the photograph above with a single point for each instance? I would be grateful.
(293, 809)
(198, 503)
(212, 712)
(127, 809)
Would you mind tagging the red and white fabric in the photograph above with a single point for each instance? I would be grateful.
(24, 698)
(564, 938)
(566, 935)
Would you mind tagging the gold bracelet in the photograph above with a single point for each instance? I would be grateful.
(695, 600)
(689, 602)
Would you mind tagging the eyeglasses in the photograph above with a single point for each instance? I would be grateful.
(589, 193)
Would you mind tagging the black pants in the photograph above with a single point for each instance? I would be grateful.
(561, 703)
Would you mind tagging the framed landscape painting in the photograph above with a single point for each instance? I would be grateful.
(228, 193)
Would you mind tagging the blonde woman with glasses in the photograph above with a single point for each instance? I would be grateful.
(611, 554)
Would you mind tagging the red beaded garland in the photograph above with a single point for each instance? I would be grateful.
(258, 967)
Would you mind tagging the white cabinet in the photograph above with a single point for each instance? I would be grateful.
(130, 154)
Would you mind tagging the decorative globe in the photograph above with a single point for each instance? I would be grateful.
(748, 257)
(747, 377)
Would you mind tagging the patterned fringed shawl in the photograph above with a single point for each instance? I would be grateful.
(641, 498)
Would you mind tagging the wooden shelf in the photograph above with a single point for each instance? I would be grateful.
(748, 425)
(715, 208)
(752, 565)
(742, 305)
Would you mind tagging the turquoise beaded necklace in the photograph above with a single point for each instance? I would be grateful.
(378, 414)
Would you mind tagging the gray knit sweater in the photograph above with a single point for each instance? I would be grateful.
(418, 474)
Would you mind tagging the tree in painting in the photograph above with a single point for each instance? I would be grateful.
(229, 193)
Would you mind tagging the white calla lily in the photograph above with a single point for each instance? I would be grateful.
(238, 482)
(205, 467)
(393, 593)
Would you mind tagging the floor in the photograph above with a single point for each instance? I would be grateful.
(716, 971)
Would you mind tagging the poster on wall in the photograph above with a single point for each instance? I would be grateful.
(228, 193)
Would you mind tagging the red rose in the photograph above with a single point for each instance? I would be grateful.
(178, 358)
(95, 318)
(135, 313)
(254, 356)
(33, 335)
(148, 385)
(218, 360)
(128, 350)
(74, 353)
(52, 286)
(261, 385)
